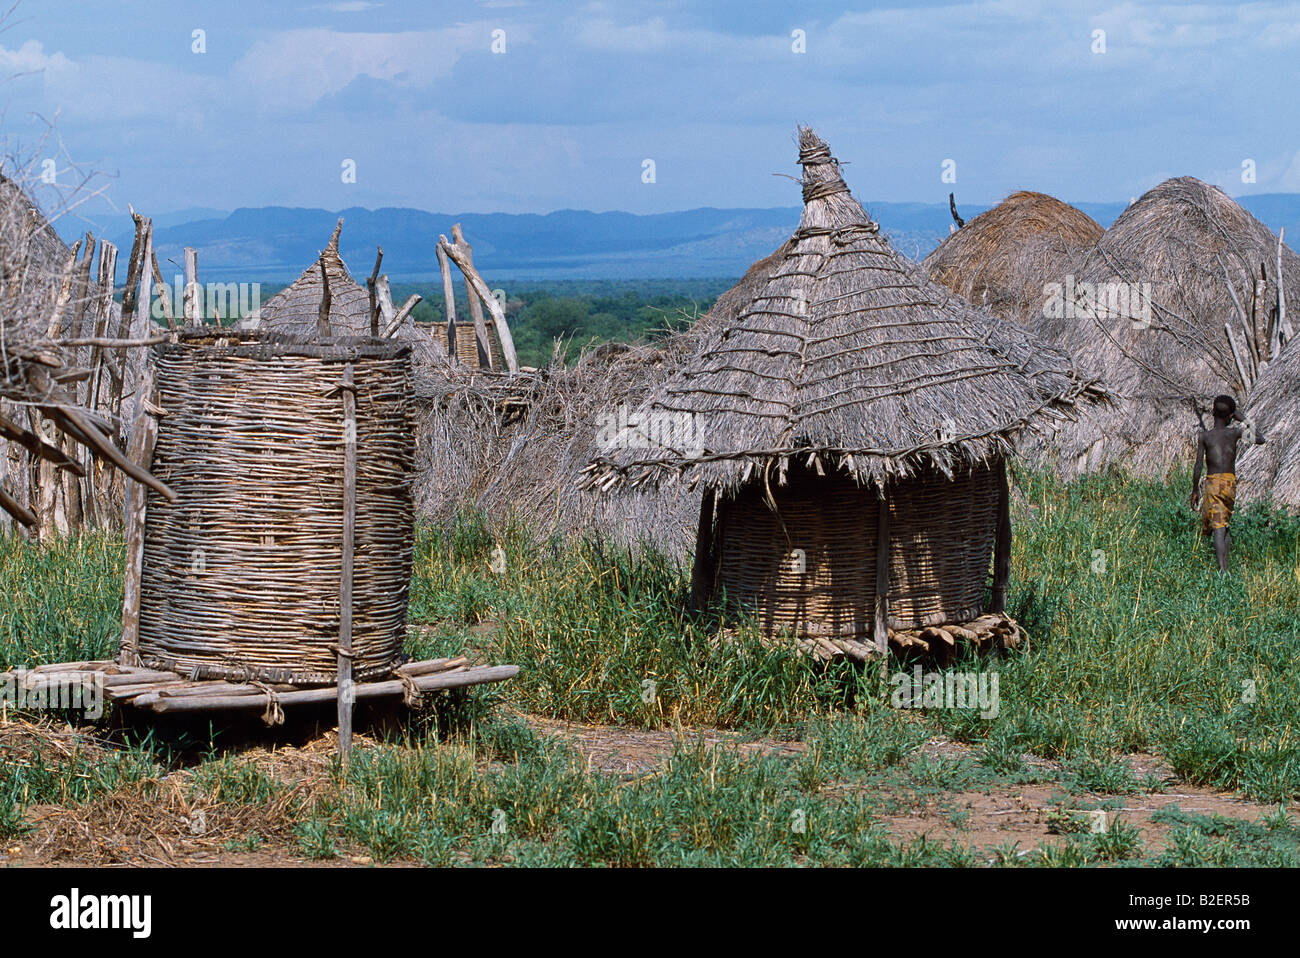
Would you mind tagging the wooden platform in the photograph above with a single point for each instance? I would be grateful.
(167, 692)
(987, 633)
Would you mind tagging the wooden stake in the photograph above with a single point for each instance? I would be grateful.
(346, 690)
(370, 286)
(162, 287)
(449, 303)
(323, 314)
(475, 281)
(144, 435)
(880, 627)
(193, 310)
(396, 323)
(1283, 327)
(475, 305)
(1002, 545)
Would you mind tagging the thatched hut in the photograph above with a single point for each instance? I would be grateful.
(850, 424)
(1003, 257)
(1272, 470)
(1176, 303)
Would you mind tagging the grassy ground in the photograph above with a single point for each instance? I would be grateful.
(1139, 648)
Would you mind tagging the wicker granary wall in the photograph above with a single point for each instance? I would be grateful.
(466, 344)
(809, 565)
(241, 574)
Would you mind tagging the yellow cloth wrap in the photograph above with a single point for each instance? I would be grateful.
(1218, 500)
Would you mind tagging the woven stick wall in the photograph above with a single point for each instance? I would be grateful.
(241, 574)
(809, 565)
(467, 345)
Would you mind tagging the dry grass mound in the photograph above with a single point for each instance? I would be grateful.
(1145, 312)
(1002, 258)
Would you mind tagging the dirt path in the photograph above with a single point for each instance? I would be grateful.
(131, 827)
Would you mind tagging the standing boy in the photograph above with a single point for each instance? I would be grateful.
(1216, 450)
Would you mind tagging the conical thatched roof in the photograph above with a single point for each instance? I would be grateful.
(1175, 249)
(1002, 258)
(295, 310)
(1272, 470)
(845, 356)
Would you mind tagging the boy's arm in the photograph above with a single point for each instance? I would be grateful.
(1200, 464)
(1258, 433)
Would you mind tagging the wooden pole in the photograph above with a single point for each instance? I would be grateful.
(144, 435)
(475, 304)
(1002, 545)
(346, 691)
(103, 313)
(396, 323)
(162, 286)
(370, 286)
(449, 302)
(193, 310)
(323, 314)
(702, 572)
(880, 627)
(424, 683)
(1283, 327)
(135, 361)
(384, 302)
(475, 281)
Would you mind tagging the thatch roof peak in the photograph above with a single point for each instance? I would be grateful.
(842, 355)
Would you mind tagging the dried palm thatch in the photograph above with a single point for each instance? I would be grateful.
(50, 312)
(850, 421)
(846, 357)
(1145, 310)
(1002, 258)
(1272, 470)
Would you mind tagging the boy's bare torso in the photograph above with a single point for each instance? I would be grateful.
(1220, 445)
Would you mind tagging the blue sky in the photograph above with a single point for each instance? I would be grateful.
(1011, 90)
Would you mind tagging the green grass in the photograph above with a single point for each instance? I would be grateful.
(1149, 649)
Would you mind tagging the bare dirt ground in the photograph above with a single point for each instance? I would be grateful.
(131, 828)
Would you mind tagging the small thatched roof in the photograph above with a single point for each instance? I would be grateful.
(1175, 250)
(1002, 258)
(295, 310)
(1272, 470)
(844, 356)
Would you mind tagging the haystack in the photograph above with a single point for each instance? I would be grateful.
(1176, 303)
(1003, 257)
(1272, 470)
(850, 426)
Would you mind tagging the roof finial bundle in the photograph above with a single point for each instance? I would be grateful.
(821, 171)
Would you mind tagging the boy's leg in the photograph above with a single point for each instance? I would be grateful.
(1222, 542)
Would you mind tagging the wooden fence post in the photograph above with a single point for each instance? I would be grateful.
(346, 690)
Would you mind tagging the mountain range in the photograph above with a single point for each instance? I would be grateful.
(274, 244)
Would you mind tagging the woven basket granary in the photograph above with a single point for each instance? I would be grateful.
(241, 574)
(838, 376)
(805, 560)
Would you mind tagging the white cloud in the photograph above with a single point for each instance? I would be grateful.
(295, 69)
(31, 58)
